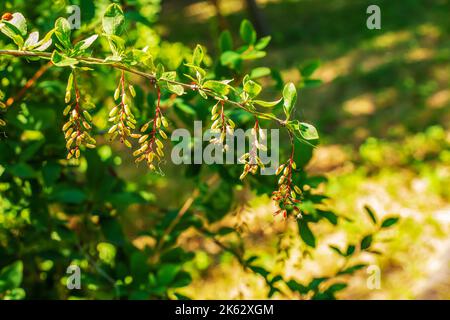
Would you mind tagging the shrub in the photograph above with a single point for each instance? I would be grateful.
(68, 207)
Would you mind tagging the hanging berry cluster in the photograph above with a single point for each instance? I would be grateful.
(288, 194)
(222, 125)
(2, 106)
(76, 129)
(251, 159)
(151, 146)
(120, 116)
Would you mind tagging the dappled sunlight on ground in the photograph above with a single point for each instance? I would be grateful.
(361, 105)
(328, 158)
(205, 10)
(390, 39)
(439, 100)
(417, 252)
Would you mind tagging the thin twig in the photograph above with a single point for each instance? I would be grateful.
(186, 206)
(29, 84)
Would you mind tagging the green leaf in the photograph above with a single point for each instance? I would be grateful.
(260, 270)
(63, 32)
(290, 97)
(20, 23)
(371, 214)
(323, 296)
(253, 55)
(337, 250)
(43, 44)
(13, 29)
(69, 195)
(251, 259)
(389, 222)
(203, 94)
(337, 287)
(22, 170)
(113, 21)
(182, 279)
(263, 42)
(330, 216)
(168, 76)
(117, 45)
(160, 71)
(106, 252)
(198, 55)
(315, 283)
(304, 132)
(61, 60)
(366, 242)
(225, 230)
(138, 266)
(167, 273)
(295, 286)
(11, 276)
(275, 279)
(259, 72)
(32, 39)
(306, 233)
(352, 269)
(230, 59)
(251, 87)
(220, 87)
(51, 172)
(112, 231)
(185, 108)
(144, 57)
(277, 78)
(86, 43)
(308, 207)
(171, 76)
(350, 250)
(225, 41)
(247, 32)
(308, 68)
(200, 73)
(308, 131)
(267, 104)
(17, 22)
(311, 83)
(176, 88)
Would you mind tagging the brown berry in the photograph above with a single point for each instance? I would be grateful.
(7, 16)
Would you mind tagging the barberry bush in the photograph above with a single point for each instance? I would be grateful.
(65, 195)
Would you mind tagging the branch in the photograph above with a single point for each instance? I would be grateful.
(150, 76)
(186, 206)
